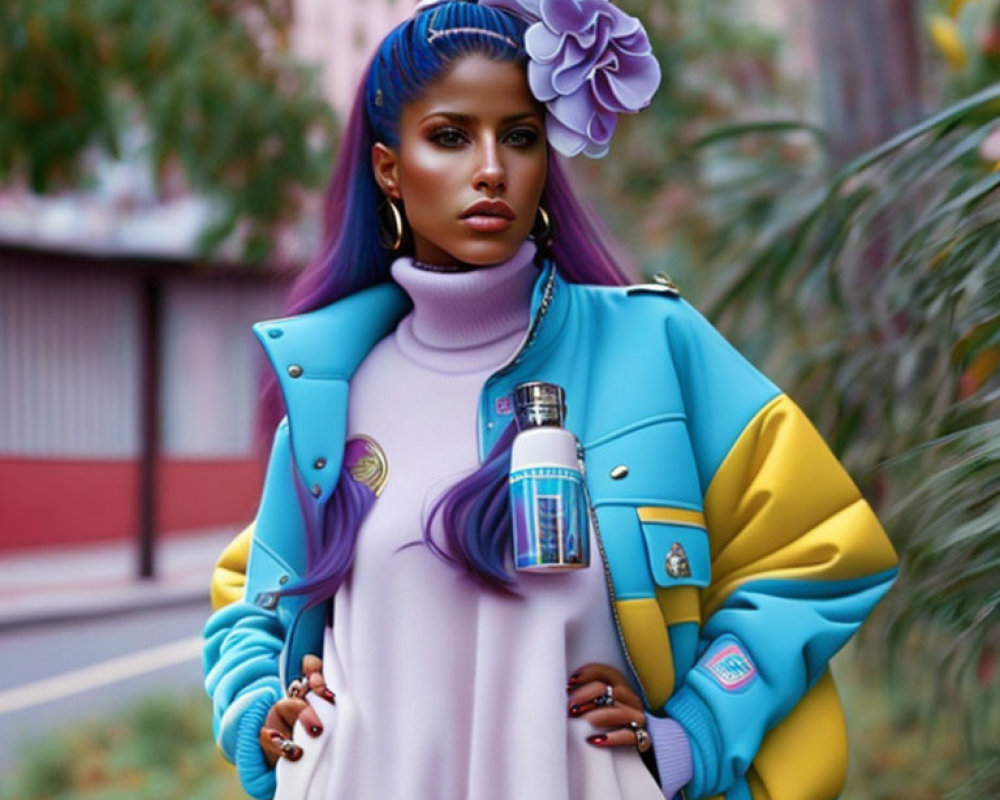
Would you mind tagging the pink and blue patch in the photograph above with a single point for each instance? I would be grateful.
(731, 668)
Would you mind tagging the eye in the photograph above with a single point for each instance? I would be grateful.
(448, 137)
(521, 137)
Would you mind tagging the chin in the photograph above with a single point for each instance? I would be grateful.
(486, 253)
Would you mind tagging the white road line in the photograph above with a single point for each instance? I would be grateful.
(107, 672)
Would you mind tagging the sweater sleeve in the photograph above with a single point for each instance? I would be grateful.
(672, 751)
(798, 561)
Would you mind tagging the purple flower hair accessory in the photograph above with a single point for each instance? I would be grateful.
(589, 62)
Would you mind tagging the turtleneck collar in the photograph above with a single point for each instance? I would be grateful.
(465, 321)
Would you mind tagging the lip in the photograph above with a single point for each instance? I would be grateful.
(489, 209)
(483, 223)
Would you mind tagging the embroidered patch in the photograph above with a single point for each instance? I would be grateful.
(731, 667)
(504, 405)
(366, 462)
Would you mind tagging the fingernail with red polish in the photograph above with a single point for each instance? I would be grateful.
(598, 738)
(315, 730)
(295, 755)
(275, 736)
(327, 695)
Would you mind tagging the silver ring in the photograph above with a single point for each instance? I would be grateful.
(287, 746)
(299, 687)
(606, 699)
(642, 740)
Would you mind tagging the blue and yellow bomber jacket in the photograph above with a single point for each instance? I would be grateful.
(739, 555)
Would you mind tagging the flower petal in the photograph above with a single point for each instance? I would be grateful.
(602, 126)
(635, 43)
(566, 15)
(542, 44)
(593, 150)
(634, 83)
(574, 110)
(563, 139)
(540, 81)
(573, 69)
(624, 25)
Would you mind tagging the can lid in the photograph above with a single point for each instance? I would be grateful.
(538, 403)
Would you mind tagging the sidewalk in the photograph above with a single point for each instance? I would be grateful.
(59, 584)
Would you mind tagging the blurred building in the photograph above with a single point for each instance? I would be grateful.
(128, 387)
(341, 37)
(128, 373)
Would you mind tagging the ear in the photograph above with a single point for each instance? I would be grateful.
(385, 166)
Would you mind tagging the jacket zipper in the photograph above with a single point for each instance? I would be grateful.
(536, 324)
(607, 576)
(529, 340)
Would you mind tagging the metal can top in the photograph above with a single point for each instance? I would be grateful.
(538, 403)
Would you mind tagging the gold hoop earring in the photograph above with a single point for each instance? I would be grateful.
(390, 225)
(543, 228)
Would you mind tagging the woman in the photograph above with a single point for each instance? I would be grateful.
(735, 555)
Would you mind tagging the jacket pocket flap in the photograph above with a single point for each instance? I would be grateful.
(678, 554)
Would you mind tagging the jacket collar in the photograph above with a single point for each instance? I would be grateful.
(314, 356)
(332, 341)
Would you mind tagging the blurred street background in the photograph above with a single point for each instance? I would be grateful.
(819, 176)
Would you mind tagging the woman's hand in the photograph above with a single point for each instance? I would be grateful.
(602, 696)
(276, 734)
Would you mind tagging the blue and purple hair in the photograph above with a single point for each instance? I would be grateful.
(474, 513)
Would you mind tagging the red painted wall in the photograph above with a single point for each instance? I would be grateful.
(47, 502)
(200, 494)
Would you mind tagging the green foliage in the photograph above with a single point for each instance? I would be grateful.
(967, 34)
(888, 281)
(899, 748)
(162, 749)
(211, 82)
(665, 196)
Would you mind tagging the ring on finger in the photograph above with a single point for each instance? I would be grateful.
(642, 740)
(288, 748)
(299, 687)
(607, 698)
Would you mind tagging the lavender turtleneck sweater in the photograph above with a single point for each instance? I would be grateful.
(446, 691)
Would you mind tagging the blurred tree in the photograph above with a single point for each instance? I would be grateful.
(666, 197)
(870, 68)
(967, 35)
(904, 379)
(867, 283)
(211, 80)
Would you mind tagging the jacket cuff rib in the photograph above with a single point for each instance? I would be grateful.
(257, 778)
(694, 716)
(672, 749)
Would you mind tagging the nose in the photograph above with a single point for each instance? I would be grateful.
(490, 174)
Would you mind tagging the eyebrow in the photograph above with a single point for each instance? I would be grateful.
(468, 119)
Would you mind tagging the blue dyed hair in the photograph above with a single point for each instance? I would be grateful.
(420, 51)
(417, 53)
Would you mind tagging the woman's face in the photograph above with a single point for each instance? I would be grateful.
(471, 164)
